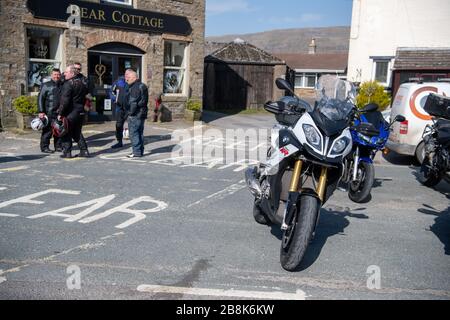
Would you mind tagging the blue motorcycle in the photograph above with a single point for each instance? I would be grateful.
(370, 133)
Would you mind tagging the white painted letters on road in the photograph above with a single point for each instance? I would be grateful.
(90, 207)
(93, 205)
(126, 208)
(29, 199)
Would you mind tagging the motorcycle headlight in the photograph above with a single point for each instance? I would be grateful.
(312, 136)
(340, 145)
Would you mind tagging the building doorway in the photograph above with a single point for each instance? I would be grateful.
(106, 63)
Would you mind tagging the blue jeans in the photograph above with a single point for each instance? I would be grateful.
(136, 129)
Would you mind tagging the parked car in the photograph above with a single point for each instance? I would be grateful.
(406, 137)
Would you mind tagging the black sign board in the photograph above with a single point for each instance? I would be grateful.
(109, 15)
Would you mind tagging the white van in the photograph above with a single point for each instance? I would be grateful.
(406, 137)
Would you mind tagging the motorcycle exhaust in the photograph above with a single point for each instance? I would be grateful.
(253, 183)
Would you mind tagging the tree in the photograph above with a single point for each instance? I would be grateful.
(373, 92)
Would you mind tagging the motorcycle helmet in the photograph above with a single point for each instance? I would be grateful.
(39, 124)
(60, 127)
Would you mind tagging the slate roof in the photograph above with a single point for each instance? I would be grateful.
(240, 52)
(422, 59)
(320, 61)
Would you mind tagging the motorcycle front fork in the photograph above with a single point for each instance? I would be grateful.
(355, 165)
(291, 204)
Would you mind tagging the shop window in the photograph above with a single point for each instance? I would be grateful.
(175, 67)
(44, 54)
(122, 2)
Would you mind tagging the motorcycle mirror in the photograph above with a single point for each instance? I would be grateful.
(282, 84)
(399, 118)
(371, 107)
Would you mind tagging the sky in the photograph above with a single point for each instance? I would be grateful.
(251, 16)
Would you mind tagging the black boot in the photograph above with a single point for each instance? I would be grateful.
(67, 155)
(84, 154)
(118, 145)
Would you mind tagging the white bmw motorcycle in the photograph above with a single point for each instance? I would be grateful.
(305, 163)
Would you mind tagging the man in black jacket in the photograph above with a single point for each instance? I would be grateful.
(137, 102)
(48, 103)
(73, 94)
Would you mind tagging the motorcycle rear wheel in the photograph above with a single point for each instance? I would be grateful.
(296, 239)
(360, 192)
(427, 176)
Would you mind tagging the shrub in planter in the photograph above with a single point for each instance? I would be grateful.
(193, 110)
(26, 109)
(373, 92)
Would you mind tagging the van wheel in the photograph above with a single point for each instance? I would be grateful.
(420, 152)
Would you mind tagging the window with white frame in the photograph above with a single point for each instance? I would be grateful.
(122, 2)
(381, 71)
(306, 80)
(44, 54)
(175, 62)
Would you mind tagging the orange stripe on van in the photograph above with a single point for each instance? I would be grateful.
(412, 102)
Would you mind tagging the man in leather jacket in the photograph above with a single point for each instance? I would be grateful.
(137, 102)
(73, 95)
(48, 103)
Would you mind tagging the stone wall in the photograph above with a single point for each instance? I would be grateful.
(14, 17)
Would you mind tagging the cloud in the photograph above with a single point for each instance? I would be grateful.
(310, 17)
(216, 7)
(292, 20)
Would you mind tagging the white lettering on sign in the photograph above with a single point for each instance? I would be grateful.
(126, 208)
(91, 206)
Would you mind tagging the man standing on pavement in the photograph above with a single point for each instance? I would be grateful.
(48, 103)
(73, 94)
(119, 96)
(137, 101)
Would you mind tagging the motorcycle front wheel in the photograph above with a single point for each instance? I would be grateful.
(359, 191)
(259, 216)
(427, 176)
(296, 238)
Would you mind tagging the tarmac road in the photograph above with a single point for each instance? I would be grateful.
(154, 229)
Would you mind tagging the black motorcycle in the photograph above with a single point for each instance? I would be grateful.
(436, 164)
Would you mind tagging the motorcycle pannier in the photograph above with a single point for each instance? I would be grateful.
(438, 106)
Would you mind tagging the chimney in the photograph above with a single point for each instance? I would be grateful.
(312, 46)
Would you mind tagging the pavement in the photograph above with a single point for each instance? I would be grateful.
(157, 228)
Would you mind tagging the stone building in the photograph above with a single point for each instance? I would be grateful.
(162, 39)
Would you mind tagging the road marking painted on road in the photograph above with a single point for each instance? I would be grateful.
(66, 176)
(126, 208)
(3, 188)
(91, 206)
(9, 215)
(261, 295)
(14, 169)
(222, 193)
